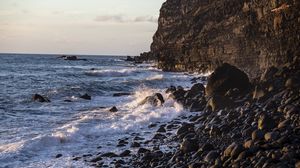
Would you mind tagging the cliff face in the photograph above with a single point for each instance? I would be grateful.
(198, 35)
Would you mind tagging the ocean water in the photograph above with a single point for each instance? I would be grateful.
(33, 133)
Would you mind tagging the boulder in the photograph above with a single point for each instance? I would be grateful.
(189, 145)
(129, 58)
(218, 102)
(155, 100)
(227, 77)
(40, 98)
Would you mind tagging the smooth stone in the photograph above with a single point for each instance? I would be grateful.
(211, 156)
(266, 122)
(257, 135)
(271, 136)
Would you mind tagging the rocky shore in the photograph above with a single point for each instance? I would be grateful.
(233, 122)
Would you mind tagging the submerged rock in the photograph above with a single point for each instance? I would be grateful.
(86, 97)
(113, 109)
(39, 98)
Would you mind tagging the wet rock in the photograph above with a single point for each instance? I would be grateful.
(109, 154)
(257, 135)
(236, 151)
(135, 145)
(211, 156)
(227, 77)
(40, 98)
(121, 94)
(189, 145)
(58, 155)
(271, 136)
(155, 100)
(161, 129)
(113, 109)
(171, 89)
(266, 122)
(86, 97)
(143, 150)
(218, 102)
(159, 136)
(125, 153)
(283, 124)
(229, 149)
(206, 147)
(184, 129)
(96, 159)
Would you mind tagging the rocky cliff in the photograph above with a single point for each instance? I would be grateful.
(198, 35)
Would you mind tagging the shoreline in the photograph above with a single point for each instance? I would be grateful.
(262, 129)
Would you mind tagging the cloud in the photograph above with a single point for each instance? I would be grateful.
(110, 18)
(151, 19)
(123, 19)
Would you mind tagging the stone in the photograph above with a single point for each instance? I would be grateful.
(258, 93)
(58, 155)
(121, 94)
(135, 145)
(249, 144)
(125, 153)
(227, 77)
(189, 145)
(96, 159)
(266, 122)
(257, 135)
(211, 156)
(86, 97)
(161, 129)
(143, 150)
(236, 151)
(218, 102)
(113, 109)
(155, 100)
(185, 128)
(40, 98)
(284, 124)
(109, 154)
(271, 136)
(206, 147)
(229, 149)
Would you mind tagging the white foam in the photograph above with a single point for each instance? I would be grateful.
(111, 72)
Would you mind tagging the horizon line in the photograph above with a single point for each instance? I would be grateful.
(60, 54)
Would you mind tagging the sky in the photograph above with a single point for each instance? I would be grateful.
(98, 27)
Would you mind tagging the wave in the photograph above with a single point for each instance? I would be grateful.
(111, 73)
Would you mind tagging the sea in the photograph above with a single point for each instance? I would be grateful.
(32, 134)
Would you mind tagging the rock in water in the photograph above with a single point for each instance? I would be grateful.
(86, 97)
(227, 77)
(39, 98)
(155, 100)
(113, 109)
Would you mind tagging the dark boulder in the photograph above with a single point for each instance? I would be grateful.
(39, 98)
(227, 77)
(113, 109)
(155, 100)
(86, 97)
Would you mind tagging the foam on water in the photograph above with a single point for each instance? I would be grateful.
(41, 131)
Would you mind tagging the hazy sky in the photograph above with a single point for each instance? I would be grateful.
(117, 27)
